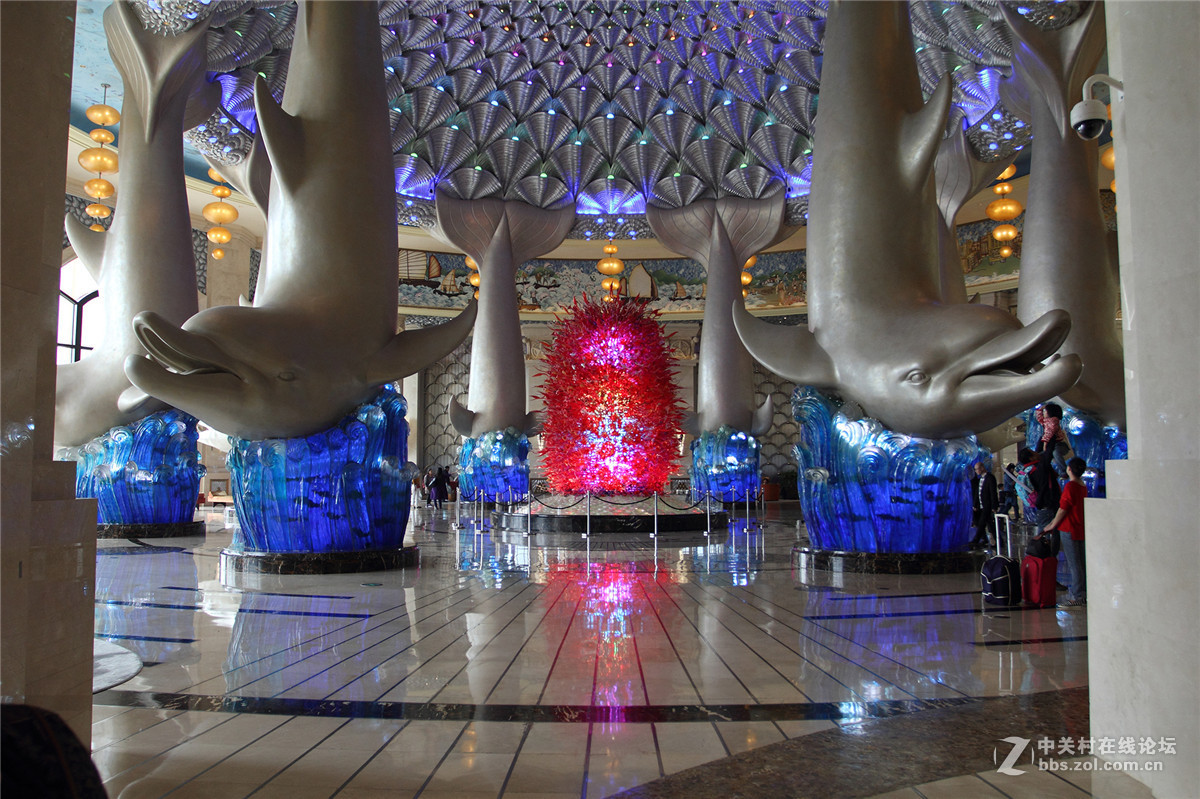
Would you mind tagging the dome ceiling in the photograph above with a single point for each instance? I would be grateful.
(607, 105)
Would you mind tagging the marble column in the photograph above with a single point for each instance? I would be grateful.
(228, 277)
(47, 537)
(1144, 540)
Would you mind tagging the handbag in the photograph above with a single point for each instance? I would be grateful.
(1045, 545)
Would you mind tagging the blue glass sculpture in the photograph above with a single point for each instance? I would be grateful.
(147, 472)
(494, 467)
(864, 488)
(725, 465)
(1089, 439)
(345, 489)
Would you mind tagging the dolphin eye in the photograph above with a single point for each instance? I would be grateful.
(917, 378)
(287, 377)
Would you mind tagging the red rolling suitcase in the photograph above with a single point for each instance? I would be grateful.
(1038, 581)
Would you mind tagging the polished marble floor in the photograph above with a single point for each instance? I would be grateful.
(515, 667)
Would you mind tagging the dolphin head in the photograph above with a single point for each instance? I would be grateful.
(960, 369)
(250, 372)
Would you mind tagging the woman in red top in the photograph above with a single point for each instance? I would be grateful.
(1069, 520)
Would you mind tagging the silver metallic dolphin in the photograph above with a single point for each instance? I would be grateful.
(321, 335)
(878, 332)
(500, 236)
(145, 260)
(1068, 260)
(721, 235)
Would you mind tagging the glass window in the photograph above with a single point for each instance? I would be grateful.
(81, 322)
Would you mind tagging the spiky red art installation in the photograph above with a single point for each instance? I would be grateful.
(612, 417)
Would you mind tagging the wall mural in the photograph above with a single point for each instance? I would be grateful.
(440, 280)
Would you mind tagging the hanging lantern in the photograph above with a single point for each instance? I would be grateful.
(215, 176)
(98, 211)
(102, 113)
(745, 294)
(1002, 188)
(98, 159)
(609, 298)
(1108, 157)
(474, 279)
(1004, 233)
(219, 235)
(476, 293)
(1007, 173)
(750, 262)
(471, 263)
(747, 278)
(222, 191)
(220, 213)
(96, 226)
(1112, 186)
(102, 136)
(610, 249)
(1006, 251)
(99, 188)
(1004, 209)
(610, 265)
(218, 253)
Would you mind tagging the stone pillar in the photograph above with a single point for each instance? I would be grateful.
(47, 537)
(1143, 545)
(228, 277)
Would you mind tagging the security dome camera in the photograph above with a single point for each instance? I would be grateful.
(1089, 115)
(1088, 118)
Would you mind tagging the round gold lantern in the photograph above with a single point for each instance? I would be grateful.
(98, 159)
(98, 211)
(103, 114)
(219, 235)
(1004, 233)
(1004, 209)
(220, 213)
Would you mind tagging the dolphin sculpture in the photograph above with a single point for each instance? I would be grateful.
(1067, 258)
(321, 336)
(500, 236)
(878, 332)
(721, 235)
(145, 260)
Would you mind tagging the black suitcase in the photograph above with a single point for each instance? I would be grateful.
(1000, 575)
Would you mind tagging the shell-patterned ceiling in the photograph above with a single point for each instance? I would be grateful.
(607, 104)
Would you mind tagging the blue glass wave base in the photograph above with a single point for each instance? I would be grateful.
(147, 472)
(345, 489)
(1089, 439)
(864, 488)
(725, 465)
(494, 467)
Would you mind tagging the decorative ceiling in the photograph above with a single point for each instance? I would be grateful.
(607, 104)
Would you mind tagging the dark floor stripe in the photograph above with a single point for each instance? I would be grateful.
(1024, 641)
(108, 637)
(844, 597)
(577, 714)
(164, 606)
(259, 593)
(903, 614)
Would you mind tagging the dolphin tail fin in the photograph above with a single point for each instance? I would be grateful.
(960, 175)
(468, 224)
(691, 423)
(536, 231)
(533, 423)
(282, 135)
(461, 417)
(921, 132)
(88, 244)
(752, 224)
(687, 230)
(410, 351)
(764, 417)
(1053, 64)
(791, 352)
(156, 69)
(251, 176)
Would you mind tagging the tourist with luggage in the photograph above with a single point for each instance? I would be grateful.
(1069, 520)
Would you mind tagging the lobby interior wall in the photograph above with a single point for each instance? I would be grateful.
(47, 537)
(1144, 540)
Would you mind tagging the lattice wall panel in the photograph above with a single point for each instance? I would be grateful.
(444, 380)
(777, 442)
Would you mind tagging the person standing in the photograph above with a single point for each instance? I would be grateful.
(441, 487)
(1044, 480)
(984, 503)
(1069, 520)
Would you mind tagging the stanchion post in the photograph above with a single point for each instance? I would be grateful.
(529, 515)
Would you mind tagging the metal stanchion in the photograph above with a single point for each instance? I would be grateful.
(589, 514)
(707, 514)
(529, 516)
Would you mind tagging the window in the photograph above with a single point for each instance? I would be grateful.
(80, 321)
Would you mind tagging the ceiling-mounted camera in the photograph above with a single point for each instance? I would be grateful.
(1089, 115)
